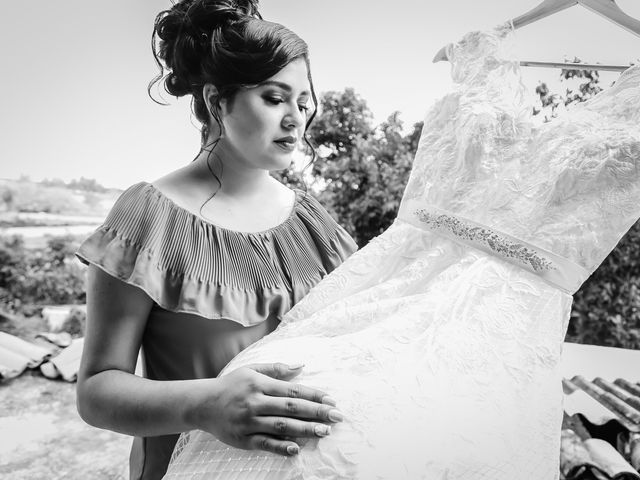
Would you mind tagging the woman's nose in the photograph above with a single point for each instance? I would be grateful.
(293, 119)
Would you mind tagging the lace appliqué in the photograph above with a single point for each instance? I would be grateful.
(499, 244)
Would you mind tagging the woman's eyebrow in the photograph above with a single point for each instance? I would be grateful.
(281, 85)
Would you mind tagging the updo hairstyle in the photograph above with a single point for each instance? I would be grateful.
(222, 42)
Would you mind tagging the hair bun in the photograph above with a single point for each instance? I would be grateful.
(207, 14)
(248, 7)
(230, 10)
(185, 32)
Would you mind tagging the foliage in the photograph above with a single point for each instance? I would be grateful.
(365, 185)
(291, 178)
(588, 85)
(86, 184)
(606, 310)
(83, 183)
(75, 323)
(25, 196)
(344, 119)
(39, 277)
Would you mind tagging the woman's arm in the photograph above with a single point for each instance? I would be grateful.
(251, 408)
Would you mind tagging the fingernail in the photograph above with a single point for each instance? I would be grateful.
(322, 430)
(327, 400)
(335, 415)
(296, 366)
(293, 450)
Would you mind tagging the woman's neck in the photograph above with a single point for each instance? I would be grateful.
(236, 178)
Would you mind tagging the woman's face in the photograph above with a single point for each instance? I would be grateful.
(263, 124)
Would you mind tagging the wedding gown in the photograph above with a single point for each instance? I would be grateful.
(440, 340)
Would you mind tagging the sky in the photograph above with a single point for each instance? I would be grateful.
(74, 73)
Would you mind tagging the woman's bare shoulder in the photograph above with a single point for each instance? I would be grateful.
(183, 187)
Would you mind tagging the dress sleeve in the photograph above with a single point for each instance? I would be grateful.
(332, 241)
(116, 245)
(187, 265)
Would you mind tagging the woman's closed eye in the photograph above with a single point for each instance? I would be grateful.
(274, 100)
(278, 100)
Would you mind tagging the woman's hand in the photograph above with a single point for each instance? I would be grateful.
(256, 407)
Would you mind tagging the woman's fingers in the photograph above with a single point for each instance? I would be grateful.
(298, 408)
(277, 370)
(253, 410)
(273, 445)
(290, 427)
(280, 388)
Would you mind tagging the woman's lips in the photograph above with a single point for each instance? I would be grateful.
(286, 145)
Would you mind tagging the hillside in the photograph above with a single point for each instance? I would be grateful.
(26, 203)
(36, 211)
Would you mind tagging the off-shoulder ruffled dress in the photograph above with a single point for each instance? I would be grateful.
(216, 291)
(440, 340)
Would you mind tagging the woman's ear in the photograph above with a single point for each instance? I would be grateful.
(211, 98)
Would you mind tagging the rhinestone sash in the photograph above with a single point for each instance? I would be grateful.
(558, 271)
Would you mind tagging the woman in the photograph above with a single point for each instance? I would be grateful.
(199, 264)
(441, 338)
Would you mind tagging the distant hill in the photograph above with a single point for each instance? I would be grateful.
(27, 203)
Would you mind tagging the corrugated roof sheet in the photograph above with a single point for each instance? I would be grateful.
(601, 429)
(66, 364)
(16, 355)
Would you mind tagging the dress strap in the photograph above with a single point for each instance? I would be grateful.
(554, 269)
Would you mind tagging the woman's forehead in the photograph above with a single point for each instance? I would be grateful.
(294, 78)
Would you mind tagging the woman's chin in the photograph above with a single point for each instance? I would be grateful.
(280, 168)
(281, 162)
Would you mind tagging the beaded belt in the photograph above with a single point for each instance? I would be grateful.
(558, 271)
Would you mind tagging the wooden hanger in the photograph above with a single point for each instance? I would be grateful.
(606, 8)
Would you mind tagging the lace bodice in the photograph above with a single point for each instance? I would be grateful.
(570, 186)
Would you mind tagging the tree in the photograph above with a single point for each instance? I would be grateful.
(39, 277)
(343, 120)
(588, 87)
(366, 169)
(606, 309)
(362, 174)
(385, 169)
(87, 185)
(53, 182)
(8, 197)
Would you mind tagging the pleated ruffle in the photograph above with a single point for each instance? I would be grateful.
(186, 264)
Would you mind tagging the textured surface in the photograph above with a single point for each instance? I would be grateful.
(445, 359)
(571, 186)
(43, 437)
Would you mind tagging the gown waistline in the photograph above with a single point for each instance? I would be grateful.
(554, 269)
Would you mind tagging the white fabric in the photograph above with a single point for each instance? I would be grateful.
(556, 270)
(571, 186)
(445, 358)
